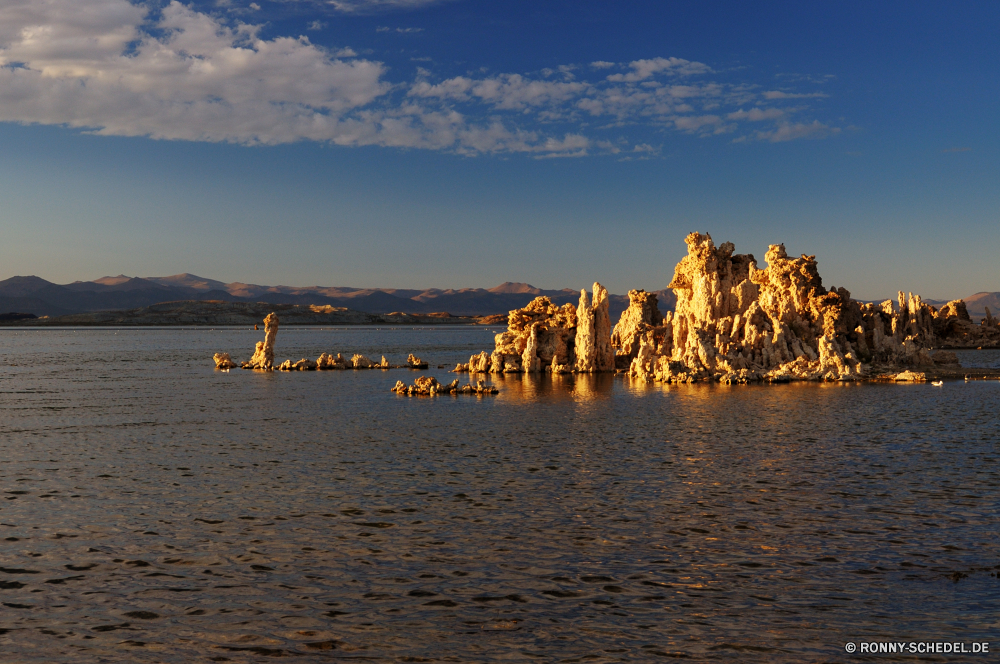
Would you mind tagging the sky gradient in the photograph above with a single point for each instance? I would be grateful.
(456, 143)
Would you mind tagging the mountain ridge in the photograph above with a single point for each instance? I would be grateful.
(32, 294)
(43, 298)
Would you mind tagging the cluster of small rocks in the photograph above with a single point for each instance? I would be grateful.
(327, 361)
(263, 357)
(429, 386)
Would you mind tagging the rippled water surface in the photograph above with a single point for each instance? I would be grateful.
(156, 510)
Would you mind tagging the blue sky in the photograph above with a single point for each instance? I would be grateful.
(455, 143)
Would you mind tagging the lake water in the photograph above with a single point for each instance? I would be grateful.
(156, 510)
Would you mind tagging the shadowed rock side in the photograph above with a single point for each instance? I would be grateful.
(955, 328)
(642, 320)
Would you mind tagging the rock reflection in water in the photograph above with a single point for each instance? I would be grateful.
(165, 512)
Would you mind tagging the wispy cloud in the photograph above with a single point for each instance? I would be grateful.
(404, 31)
(176, 73)
(779, 94)
(379, 6)
(757, 114)
(645, 69)
(787, 131)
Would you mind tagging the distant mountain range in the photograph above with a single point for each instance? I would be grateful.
(43, 298)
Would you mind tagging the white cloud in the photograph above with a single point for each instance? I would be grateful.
(644, 69)
(757, 114)
(378, 6)
(778, 94)
(118, 68)
(200, 81)
(316, 25)
(694, 123)
(792, 131)
(404, 31)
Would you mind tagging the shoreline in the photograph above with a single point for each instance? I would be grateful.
(216, 313)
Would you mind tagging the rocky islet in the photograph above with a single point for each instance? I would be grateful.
(736, 323)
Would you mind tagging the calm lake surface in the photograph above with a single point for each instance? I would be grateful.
(153, 509)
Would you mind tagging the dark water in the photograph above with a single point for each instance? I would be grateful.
(155, 510)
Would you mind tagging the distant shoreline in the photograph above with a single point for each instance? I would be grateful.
(214, 313)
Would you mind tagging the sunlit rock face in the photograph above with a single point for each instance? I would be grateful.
(412, 361)
(736, 323)
(594, 352)
(429, 386)
(543, 337)
(223, 361)
(328, 361)
(359, 361)
(263, 357)
(536, 335)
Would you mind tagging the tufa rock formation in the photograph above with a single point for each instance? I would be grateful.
(263, 357)
(223, 361)
(302, 365)
(327, 361)
(428, 386)
(359, 361)
(537, 336)
(543, 337)
(593, 340)
(736, 323)
(642, 320)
